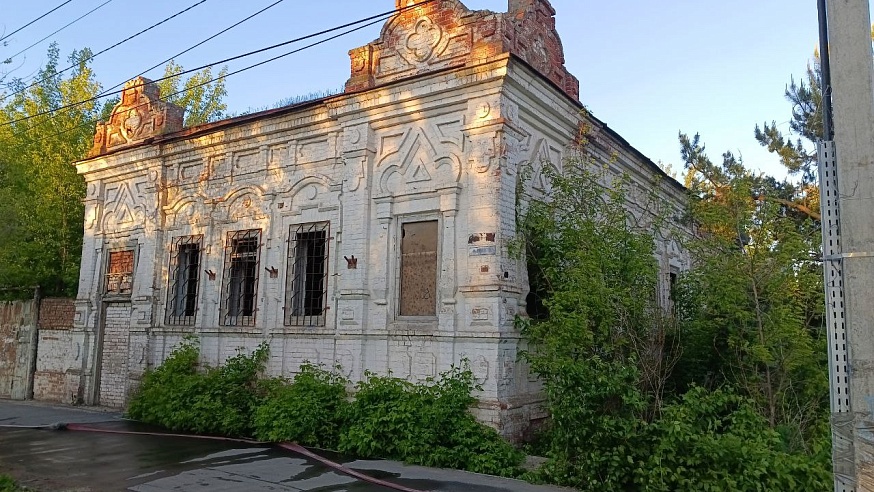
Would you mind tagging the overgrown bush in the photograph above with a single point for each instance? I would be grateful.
(311, 410)
(716, 440)
(602, 345)
(427, 424)
(594, 438)
(7, 484)
(182, 395)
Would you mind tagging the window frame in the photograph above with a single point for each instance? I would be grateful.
(295, 283)
(246, 282)
(126, 277)
(178, 293)
(400, 265)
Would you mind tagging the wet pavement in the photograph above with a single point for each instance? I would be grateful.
(65, 460)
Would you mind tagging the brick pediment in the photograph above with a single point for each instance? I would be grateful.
(426, 36)
(139, 115)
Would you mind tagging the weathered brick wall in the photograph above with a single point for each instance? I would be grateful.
(114, 356)
(17, 328)
(439, 35)
(57, 370)
(447, 147)
(56, 313)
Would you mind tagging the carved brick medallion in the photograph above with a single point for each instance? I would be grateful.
(141, 114)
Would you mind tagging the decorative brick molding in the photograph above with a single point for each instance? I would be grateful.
(140, 115)
(444, 34)
(459, 139)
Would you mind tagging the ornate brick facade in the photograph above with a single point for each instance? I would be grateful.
(442, 34)
(369, 229)
(139, 116)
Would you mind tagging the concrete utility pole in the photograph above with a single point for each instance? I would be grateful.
(847, 196)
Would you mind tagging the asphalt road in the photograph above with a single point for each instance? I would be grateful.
(64, 460)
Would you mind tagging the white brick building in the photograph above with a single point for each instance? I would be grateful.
(368, 229)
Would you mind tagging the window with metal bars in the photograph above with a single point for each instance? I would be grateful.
(241, 277)
(120, 272)
(183, 281)
(307, 283)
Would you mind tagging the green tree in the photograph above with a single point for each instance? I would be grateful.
(751, 308)
(806, 123)
(593, 269)
(40, 192)
(797, 150)
(200, 96)
(591, 264)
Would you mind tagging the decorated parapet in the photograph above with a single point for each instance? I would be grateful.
(140, 115)
(426, 36)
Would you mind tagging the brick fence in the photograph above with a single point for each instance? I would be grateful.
(57, 374)
(38, 355)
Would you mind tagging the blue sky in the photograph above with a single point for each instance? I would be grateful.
(649, 69)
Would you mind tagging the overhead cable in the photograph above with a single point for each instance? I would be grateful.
(86, 14)
(38, 18)
(374, 19)
(47, 77)
(200, 43)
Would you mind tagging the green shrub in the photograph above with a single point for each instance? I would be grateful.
(427, 424)
(163, 397)
(182, 396)
(718, 441)
(594, 436)
(311, 410)
(7, 484)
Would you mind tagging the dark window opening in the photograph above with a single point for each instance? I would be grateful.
(241, 277)
(306, 292)
(537, 285)
(184, 276)
(418, 282)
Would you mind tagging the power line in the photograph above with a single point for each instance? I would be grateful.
(200, 43)
(86, 14)
(374, 18)
(264, 62)
(38, 18)
(19, 91)
(382, 18)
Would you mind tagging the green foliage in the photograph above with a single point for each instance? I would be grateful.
(806, 122)
(719, 441)
(183, 396)
(426, 424)
(593, 265)
(311, 410)
(751, 309)
(40, 192)
(596, 427)
(200, 95)
(620, 418)
(7, 484)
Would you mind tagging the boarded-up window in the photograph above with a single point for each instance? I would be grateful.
(418, 269)
(119, 272)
